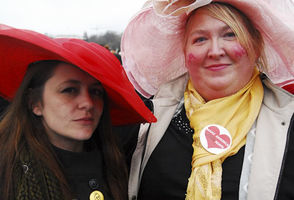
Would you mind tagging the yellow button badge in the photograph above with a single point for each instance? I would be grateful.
(96, 195)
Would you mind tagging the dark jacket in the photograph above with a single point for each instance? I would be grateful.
(83, 171)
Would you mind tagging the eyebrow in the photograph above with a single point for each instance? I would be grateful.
(73, 81)
(203, 31)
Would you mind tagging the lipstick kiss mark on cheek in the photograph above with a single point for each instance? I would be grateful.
(191, 59)
(239, 51)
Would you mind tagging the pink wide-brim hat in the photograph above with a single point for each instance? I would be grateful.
(19, 48)
(152, 49)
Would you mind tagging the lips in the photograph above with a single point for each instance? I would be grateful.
(85, 120)
(217, 67)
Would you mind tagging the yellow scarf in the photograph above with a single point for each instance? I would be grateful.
(237, 114)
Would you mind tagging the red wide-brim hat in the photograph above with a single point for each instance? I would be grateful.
(19, 48)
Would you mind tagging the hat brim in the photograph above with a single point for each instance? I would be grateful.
(19, 48)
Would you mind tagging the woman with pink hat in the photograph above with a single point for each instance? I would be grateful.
(56, 140)
(213, 72)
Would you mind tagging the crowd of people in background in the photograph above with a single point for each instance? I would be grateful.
(115, 52)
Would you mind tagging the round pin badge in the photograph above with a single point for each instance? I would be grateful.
(96, 195)
(215, 138)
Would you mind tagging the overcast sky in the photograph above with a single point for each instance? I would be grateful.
(69, 17)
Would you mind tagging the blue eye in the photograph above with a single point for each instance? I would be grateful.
(199, 39)
(230, 34)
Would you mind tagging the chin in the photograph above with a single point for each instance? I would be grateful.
(84, 135)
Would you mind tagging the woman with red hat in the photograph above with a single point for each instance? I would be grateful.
(56, 140)
(213, 71)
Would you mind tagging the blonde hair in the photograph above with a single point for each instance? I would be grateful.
(248, 36)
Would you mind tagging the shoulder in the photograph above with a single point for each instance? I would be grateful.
(127, 139)
(277, 108)
(276, 97)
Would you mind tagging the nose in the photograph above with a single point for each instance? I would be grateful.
(216, 50)
(86, 101)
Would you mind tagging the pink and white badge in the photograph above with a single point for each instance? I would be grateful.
(215, 138)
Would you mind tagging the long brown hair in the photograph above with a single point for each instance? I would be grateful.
(20, 128)
(115, 166)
